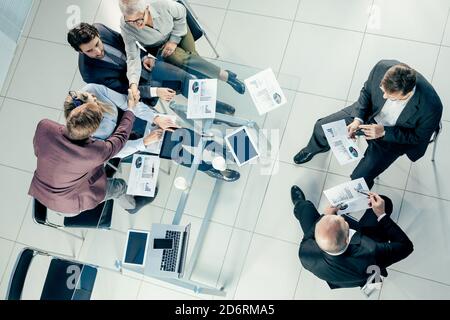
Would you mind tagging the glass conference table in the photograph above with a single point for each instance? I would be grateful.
(212, 207)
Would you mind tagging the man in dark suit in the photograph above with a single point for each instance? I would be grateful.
(344, 252)
(102, 60)
(397, 112)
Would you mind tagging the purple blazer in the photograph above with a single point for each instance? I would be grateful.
(70, 175)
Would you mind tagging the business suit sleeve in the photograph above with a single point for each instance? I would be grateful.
(363, 107)
(398, 247)
(178, 12)
(134, 67)
(419, 134)
(118, 139)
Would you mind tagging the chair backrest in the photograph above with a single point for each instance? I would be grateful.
(39, 212)
(99, 217)
(436, 132)
(68, 280)
(194, 25)
(19, 274)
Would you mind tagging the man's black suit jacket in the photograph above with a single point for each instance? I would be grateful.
(350, 268)
(418, 121)
(100, 72)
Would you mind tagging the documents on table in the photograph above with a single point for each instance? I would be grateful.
(344, 149)
(265, 91)
(143, 175)
(347, 194)
(155, 147)
(202, 99)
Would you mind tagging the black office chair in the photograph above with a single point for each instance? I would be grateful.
(435, 140)
(65, 280)
(195, 27)
(98, 218)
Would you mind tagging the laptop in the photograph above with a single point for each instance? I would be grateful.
(242, 146)
(167, 250)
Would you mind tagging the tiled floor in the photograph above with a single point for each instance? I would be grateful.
(322, 52)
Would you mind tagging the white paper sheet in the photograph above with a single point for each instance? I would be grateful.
(344, 149)
(265, 91)
(143, 175)
(202, 99)
(346, 193)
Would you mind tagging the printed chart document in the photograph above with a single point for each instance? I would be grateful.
(155, 147)
(347, 194)
(143, 175)
(265, 91)
(344, 149)
(202, 99)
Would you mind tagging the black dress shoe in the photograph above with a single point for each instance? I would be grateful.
(142, 202)
(235, 83)
(297, 195)
(304, 156)
(227, 175)
(225, 108)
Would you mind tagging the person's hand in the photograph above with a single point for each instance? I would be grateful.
(165, 123)
(149, 63)
(135, 92)
(132, 101)
(169, 49)
(352, 127)
(377, 204)
(153, 137)
(372, 131)
(331, 210)
(165, 94)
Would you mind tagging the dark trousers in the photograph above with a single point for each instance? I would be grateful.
(378, 157)
(307, 215)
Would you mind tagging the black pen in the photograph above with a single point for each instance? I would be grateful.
(362, 192)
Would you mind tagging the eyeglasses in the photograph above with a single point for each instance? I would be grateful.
(137, 22)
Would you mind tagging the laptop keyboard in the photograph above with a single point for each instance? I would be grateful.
(169, 256)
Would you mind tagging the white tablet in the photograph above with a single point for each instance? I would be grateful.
(242, 146)
(136, 248)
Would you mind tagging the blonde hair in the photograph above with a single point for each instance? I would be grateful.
(81, 125)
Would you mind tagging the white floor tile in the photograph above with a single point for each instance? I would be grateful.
(211, 20)
(223, 4)
(30, 18)
(446, 38)
(13, 187)
(6, 248)
(400, 286)
(111, 285)
(234, 262)
(324, 58)
(410, 19)
(427, 223)
(20, 154)
(267, 7)
(49, 64)
(419, 56)
(150, 291)
(271, 270)
(143, 220)
(336, 14)
(312, 288)
(306, 111)
(277, 218)
(55, 18)
(13, 65)
(109, 14)
(429, 177)
(78, 82)
(440, 80)
(47, 238)
(249, 46)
